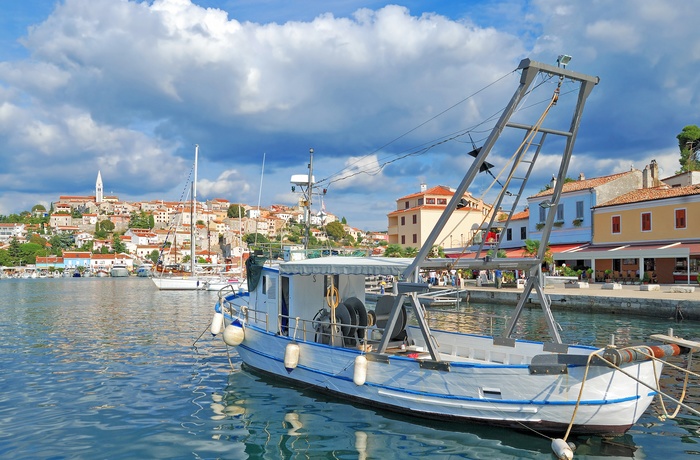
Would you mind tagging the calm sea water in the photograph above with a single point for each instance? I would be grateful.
(106, 368)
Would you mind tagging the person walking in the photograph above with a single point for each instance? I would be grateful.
(499, 278)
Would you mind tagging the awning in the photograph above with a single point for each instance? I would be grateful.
(339, 265)
(631, 251)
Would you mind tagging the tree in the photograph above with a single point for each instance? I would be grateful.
(15, 251)
(393, 250)
(335, 230)
(253, 238)
(117, 244)
(140, 220)
(235, 211)
(532, 247)
(689, 145)
(153, 256)
(106, 225)
(343, 221)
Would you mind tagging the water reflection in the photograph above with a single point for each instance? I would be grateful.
(273, 420)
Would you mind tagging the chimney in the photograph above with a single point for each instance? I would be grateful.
(554, 181)
(423, 187)
(581, 176)
(650, 175)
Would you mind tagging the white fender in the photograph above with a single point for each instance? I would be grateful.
(359, 375)
(291, 356)
(562, 450)
(217, 323)
(234, 335)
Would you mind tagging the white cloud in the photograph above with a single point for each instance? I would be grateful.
(128, 87)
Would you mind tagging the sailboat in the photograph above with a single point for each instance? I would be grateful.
(190, 280)
(310, 323)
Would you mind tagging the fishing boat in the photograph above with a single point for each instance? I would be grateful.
(309, 321)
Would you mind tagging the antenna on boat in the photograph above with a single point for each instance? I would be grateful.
(309, 195)
(305, 182)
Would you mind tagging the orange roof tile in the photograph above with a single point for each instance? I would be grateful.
(650, 194)
(521, 215)
(586, 184)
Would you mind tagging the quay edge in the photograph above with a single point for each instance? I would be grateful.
(659, 305)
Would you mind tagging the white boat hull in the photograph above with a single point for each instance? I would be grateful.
(487, 392)
(179, 283)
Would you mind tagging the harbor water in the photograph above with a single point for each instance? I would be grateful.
(112, 368)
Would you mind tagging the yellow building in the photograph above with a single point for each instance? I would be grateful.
(653, 230)
(417, 214)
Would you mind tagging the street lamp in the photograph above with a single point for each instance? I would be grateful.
(562, 60)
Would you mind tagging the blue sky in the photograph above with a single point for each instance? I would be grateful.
(128, 88)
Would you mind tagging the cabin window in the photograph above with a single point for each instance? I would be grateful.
(680, 218)
(616, 224)
(646, 221)
(264, 284)
(579, 209)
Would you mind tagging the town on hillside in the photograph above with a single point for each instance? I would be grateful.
(91, 234)
(629, 227)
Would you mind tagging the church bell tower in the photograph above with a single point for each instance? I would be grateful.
(99, 194)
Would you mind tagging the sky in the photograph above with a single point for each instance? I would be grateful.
(128, 88)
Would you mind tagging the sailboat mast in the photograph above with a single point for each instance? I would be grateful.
(193, 203)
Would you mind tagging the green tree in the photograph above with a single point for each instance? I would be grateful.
(140, 220)
(252, 238)
(393, 250)
(689, 145)
(117, 245)
(28, 252)
(153, 256)
(106, 225)
(235, 211)
(38, 207)
(61, 242)
(343, 221)
(15, 251)
(532, 247)
(335, 231)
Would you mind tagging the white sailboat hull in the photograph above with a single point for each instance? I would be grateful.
(179, 283)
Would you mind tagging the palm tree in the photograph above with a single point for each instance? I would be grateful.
(532, 248)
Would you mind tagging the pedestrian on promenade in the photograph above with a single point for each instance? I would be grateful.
(499, 278)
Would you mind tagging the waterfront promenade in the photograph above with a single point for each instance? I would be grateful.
(663, 303)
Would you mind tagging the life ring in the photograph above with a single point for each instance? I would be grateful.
(332, 296)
